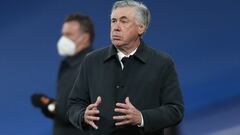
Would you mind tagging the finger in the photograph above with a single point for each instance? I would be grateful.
(98, 101)
(92, 118)
(120, 118)
(92, 112)
(126, 122)
(121, 105)
(120, 110)
(127, 101)
(93, 124)
(91, 106)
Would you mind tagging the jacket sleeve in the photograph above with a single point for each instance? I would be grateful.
(170, 112)
(79, 99)
(46, 112)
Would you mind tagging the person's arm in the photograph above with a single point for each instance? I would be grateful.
(79, 99)
(172, 108)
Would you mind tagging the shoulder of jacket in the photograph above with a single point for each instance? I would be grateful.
(98, 52)
(159, 55)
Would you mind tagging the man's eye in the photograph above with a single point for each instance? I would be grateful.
(113, 21)
(124, 21)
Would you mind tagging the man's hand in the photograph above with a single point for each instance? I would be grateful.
(41, 100)
(44, 100)
(131, 115)
(91, 112)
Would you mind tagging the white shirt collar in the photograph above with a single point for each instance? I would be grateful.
(121, 55)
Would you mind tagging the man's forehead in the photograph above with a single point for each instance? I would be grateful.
(123, 12)
(69, 27)
(71, 24)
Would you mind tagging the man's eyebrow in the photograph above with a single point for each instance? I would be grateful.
(113, 19)
(123, 17)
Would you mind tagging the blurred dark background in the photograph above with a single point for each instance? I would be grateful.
(203, 37)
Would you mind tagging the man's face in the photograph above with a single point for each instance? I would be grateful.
(71, 30)
(124, 30)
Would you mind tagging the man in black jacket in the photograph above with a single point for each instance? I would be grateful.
(127, 88)
(75, 43)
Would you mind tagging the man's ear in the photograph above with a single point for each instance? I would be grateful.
(83, 42)
(86, 38)
(141, 29)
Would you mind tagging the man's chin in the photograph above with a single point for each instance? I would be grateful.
(117, 43)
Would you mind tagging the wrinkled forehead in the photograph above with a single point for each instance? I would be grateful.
(126, 12)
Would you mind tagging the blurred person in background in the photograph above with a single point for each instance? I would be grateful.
(75, 42)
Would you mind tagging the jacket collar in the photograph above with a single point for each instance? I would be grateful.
(141, 53)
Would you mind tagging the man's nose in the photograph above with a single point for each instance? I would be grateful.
(116, 27)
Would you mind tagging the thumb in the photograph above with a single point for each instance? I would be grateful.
(98, 101)
(127, 101)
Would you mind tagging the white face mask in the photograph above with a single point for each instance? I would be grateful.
(66, 47)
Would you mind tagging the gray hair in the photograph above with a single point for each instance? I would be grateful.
(143, 15)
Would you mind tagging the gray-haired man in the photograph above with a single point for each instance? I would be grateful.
(128, 87)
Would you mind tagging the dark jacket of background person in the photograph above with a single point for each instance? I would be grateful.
(75, 42)
(67, 74)
(149, 80)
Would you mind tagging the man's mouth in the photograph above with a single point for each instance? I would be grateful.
(116, 37)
